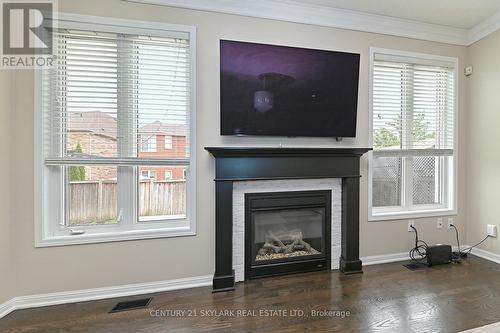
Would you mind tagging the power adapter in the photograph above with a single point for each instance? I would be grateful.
(439, 254)
(457, 254)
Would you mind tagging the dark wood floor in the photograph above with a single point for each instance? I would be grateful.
(386, 298)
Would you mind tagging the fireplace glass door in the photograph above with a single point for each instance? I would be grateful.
(287, 232)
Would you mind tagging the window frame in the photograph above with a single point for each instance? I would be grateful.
(151, 144)
(170, 142)
(46, 220)
(449, 180)
(151, 174)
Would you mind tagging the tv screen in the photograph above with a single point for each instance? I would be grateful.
(287, 91)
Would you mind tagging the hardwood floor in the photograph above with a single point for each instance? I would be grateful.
(386, 298)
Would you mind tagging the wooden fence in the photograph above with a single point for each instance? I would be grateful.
(95, 201)
(162, 198)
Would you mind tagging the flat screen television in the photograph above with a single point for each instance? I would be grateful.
(287, 91)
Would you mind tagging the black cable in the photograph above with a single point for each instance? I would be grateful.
(458, 241)
(456, 256)
(419, 249)
(470, 248)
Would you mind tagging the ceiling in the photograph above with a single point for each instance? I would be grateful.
(458, 22)
(454, 13)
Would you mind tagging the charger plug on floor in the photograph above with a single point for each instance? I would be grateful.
(462, 255)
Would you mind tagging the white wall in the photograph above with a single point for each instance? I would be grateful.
(483, 151)
(5, 113)
(90, 266)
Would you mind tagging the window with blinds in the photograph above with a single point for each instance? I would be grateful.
(112, 104)
(129, 89)
(413, 107)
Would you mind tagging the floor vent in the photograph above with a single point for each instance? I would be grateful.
(131, 305)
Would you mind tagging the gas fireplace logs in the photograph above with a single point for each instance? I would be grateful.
(284, 244)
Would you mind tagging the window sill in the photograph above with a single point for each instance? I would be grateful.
(114, 237)
(401, 215)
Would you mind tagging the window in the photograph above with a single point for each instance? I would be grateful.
(168, 174)
(412, 166)
(149, 144)
(148, 174)
(112, 89)
(168, 142)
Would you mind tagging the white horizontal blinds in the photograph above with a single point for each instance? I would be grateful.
(86, 92)
(109, 94)
(413, 107)
(413, 132)
(163, 94)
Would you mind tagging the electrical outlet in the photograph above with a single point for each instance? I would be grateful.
(410, 224)
(440, 223)
(450, 222)
(468, 70)
(491, 230)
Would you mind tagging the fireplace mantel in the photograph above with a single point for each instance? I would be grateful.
(247, 163)
(267, 151)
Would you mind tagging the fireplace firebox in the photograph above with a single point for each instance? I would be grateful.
(287, 232)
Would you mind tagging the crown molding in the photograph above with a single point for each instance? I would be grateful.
(484, 28)
(293, 11)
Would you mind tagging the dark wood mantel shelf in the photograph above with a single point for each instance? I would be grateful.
(273, 151)
(248, 163)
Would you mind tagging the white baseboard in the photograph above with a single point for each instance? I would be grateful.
(6, 308)
(395, 257)
(486, 255)
(34, 301)
(384, 258)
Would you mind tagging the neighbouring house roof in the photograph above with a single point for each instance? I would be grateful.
(158, 127)
(101, 123)
(96, 122)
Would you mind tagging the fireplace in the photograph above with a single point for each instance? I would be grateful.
(234, 165)
(287, 232)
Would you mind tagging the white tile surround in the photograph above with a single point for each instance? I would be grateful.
(262, 186)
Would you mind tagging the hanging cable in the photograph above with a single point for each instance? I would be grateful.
(469, 249)
(419, 252)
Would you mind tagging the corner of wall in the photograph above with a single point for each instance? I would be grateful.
(481, 141)
(5, 231)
